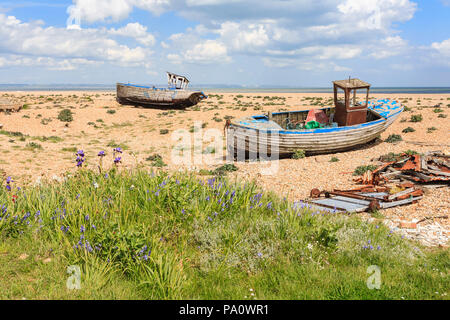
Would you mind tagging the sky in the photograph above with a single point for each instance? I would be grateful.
(252, 43)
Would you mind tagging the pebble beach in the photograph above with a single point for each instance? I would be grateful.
(35, 145)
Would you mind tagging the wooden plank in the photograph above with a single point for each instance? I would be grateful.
(401, 193)
(386, 205)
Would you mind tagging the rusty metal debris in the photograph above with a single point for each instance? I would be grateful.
(391, 184)
(366, 198)
(432, 167)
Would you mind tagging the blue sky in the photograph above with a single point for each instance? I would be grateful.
(253, 43)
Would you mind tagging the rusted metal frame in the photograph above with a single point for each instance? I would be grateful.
(355, 196)
(352, 200)
(383, 166)
(326, 206)
(365, 188)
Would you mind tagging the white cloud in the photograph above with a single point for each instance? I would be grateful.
(207, 52)
(389, 47)
(136, 31)
(12, 60)
(440, 52)
(332, 52)
(304, 65)
(21, 38)
(98, 10)
(377, 14)
(243, 37)
(321, 30)
(442, 47)
(110, 10)
(321, 52)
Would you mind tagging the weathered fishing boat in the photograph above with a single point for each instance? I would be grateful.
(9, 106)
(347, 125)
(175, 95)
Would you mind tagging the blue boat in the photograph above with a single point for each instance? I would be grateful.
(349, 124)
(176, 94)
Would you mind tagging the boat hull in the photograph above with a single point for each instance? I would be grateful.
(147, 96)
(244, 136)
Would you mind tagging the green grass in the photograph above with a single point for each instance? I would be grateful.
(408, 129)
(33, 146)
(114, 144)
(299, 154)
(394, 138)
(70, 149)
(416, 118)
(359, 171)
(211, 239)
(65, 115)
(156, 160)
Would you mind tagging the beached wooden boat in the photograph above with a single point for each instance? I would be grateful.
(345, 126)
(175, 95)
(9, 106)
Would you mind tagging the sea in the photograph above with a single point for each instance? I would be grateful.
(222, 88)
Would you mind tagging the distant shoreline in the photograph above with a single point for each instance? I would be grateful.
(375, 90)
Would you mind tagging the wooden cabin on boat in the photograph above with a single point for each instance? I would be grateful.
(349, 111)
(176, 81)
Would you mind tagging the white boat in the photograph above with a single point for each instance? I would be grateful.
(348, 125)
